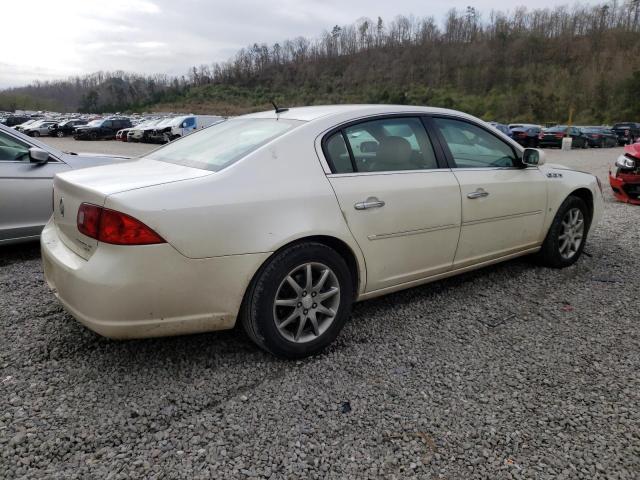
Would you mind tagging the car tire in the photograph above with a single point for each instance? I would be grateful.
(560, 248)
(93, 136)
(279, 315)
(35, 134)
(60, 134)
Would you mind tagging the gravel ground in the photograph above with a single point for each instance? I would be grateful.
(514, 371)
(112, 147)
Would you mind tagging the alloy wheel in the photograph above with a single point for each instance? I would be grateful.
(572, 233)
(306, 302)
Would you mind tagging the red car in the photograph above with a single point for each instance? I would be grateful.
(624, 177)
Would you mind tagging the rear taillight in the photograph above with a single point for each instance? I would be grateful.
(559, 135)
(541, 136)
(89, 219)
(111, 226)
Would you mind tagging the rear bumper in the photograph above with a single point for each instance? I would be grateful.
(146, 291)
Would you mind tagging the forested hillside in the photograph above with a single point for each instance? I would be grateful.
(524, 65)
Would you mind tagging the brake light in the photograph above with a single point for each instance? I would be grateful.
(88, 219)
(111, 226)
(541, 136)
(559, 135)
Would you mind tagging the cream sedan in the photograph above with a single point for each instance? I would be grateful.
(281, 220)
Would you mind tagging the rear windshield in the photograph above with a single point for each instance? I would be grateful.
(560, 128)
(224, 143)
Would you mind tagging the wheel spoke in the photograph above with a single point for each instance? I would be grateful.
(328, 294)
(294, 285)
(289, 319)
(303, 321)
(309, 277)
(314, 323)
(323, 278)
(563, 246)
(326, 311)
(287, 302)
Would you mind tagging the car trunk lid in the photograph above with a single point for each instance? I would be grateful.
(94, 185)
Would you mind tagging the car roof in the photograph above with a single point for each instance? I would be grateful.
(309, 114)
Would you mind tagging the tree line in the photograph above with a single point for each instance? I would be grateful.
(534, 65)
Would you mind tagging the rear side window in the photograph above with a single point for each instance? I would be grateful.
(474, 147)
(385, 145)
(338, 154)
(224, 143)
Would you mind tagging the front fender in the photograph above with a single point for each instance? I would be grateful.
(562, 182)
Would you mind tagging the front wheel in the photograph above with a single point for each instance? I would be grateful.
(36, 134)
(567, 235)
(299, 301)
(60, 134)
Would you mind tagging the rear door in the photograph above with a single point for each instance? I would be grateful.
(401, 206)
(25, 189)
(503, 205)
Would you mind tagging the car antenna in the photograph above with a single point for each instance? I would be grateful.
(278, 109)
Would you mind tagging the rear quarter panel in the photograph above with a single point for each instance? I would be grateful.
(276, 195)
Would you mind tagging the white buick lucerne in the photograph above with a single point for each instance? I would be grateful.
(282, 219)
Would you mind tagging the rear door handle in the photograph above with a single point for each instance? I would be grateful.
(479, 193)
(371, 202)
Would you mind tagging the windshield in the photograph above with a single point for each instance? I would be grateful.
(224, 143)
(559, 128)
(95, 123)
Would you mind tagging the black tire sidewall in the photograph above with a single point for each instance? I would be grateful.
(551, 249)
(260, 305)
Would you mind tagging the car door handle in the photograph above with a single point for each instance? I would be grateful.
(479, 193)
(371, 202)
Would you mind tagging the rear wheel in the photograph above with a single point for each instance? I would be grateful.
(567, 235)
(60, 134)
(93, 136)
(35, 133)
(299, 301)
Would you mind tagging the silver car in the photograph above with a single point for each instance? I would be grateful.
(39, 128)
(27, 168)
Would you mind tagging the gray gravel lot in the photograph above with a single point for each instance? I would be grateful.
(514, 371)
(112, 147)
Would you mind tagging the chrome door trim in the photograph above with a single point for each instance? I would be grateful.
(504, 217)
(382, 236)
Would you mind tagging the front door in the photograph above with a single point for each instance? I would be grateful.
(503, 204)
(25, 190)
(403, 210)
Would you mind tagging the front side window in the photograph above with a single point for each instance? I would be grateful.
(392, 144)
(224, 143)
(474, 147)
(12, 149)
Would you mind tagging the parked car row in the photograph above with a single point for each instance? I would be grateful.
(164, 130)
(136, 128)
(536, 136)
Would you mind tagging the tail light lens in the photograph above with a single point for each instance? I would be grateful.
(541, 136)
(111, 226)
(559, 135)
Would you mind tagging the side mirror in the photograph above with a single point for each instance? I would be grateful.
(533, 157)
(37, 155)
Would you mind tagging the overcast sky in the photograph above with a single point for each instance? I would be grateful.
(47, 39)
